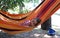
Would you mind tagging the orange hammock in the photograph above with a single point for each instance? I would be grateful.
(19, 23)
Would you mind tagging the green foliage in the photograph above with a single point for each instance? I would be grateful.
(10, 4)
(36, 1)
(27, 1)
(13, 4)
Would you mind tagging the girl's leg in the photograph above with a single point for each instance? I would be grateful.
(46, 25)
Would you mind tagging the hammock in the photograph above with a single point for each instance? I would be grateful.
(19, 23)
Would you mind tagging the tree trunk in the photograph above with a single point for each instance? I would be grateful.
(20, 9)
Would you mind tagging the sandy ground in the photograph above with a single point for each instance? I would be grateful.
(36, 33)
